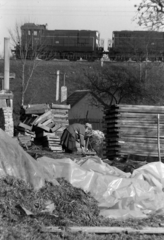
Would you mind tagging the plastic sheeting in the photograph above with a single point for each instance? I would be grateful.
(14, 161)
(118, 194)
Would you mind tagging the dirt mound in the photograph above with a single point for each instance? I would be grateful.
(23, 212)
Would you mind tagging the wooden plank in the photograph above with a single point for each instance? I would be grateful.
(60, 116)
(11, 75)
(120, 134)
(47, 139)
(36, 106)
(136, 131)
(60, 111)
(147, 146)
(132, 139)
(106, 230)
(60, 121)
(133, 116)
(132, 122)
(34, 122)
(43, 127)
(57, 126)
(6, 95)
(47, 122)
(43, 117)
(54, 138)
(54, 142)
(134, 125)
(60, 106)
(143, 108)
(25, 126)
(137, 110)
(56, 148)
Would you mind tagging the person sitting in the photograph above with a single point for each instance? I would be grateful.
(73, 134)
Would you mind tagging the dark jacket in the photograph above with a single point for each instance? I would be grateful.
(77, 130)
(72, 134)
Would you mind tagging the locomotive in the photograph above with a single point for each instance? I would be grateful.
(58, 44)
(137, 46)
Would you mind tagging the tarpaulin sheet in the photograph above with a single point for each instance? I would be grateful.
(14, 161)
(118, 194)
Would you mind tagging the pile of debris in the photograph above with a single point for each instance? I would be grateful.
(25, 213)
(62, 205)
(43, 124)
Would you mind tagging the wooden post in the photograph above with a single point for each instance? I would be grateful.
(158, 135)
(57, 86)
(6, 96)
(5, 85)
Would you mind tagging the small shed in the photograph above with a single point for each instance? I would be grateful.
(85, 108)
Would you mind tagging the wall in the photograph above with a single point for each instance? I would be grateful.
(85, 111)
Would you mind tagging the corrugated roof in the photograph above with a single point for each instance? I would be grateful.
(76, 96)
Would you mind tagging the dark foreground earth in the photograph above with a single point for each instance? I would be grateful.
(25, 212)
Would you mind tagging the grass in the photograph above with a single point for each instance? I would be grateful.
(42, 86)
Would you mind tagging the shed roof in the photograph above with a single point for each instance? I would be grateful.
(76, 96)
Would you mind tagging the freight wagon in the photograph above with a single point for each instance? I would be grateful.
(137, 45)
(59, 44)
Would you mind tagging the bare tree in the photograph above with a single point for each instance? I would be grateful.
(113, 85)
(23, 54)
(151, 14)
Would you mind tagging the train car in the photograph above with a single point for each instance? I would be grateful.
(137, 45)
(59, 44)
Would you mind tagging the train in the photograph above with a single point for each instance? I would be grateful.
(136, 46)
(37, 40)
(58, 44)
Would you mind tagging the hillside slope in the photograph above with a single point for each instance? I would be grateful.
(42, 86)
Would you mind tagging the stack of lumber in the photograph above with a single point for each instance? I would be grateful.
(6, 120)
(47, 122)
(134, 129)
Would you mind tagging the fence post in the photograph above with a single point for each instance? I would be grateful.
(158, 135)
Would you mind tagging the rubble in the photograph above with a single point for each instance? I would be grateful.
(24, 212)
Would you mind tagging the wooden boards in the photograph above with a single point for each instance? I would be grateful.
(47, 122)
(134, 129)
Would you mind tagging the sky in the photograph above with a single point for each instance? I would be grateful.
(104, 16)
